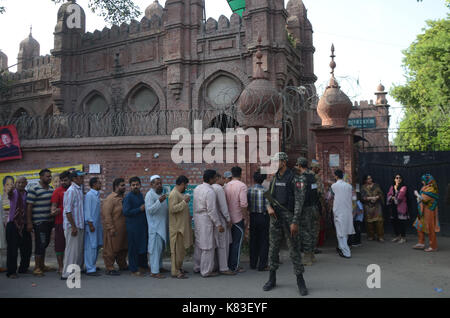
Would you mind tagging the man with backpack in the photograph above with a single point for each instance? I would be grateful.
(307, 186)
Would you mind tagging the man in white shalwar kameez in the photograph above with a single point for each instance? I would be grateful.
(93, 235)
(206, 219)
(223, 240)
(157, 212)
(343, 213)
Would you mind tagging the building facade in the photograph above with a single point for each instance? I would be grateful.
(122, 90)
(371, 121)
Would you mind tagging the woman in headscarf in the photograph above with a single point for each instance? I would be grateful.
(373, 198)
(427, 221)
(398, 207)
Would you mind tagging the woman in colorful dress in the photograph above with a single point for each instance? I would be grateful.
(373, 199)
(398, 208)
(427, 221)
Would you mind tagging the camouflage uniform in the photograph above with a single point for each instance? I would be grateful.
(310, 217)
(281, 225)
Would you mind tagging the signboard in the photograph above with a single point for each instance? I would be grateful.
(334, 160)
(369, 122)
(8, 179)
(9, 143)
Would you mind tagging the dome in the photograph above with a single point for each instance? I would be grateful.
(261, 95)
(154, 9)
(29, 46)
(63, 14)
(334, 106)
(296, 8)
(381, 95)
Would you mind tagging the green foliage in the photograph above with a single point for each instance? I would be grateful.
(291, 39)
(426, 94)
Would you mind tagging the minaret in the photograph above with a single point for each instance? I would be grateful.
(29, 49)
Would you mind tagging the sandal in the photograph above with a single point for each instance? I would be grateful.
(159, 276)
(430, 249)
(180, 276)
(419, 247)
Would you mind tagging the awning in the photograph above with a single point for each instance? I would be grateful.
(237, 6)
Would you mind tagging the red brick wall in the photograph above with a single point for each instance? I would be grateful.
(117, 163)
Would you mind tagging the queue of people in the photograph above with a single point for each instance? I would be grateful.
(134, 230)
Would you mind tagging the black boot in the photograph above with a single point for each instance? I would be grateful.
(271, 282)
(301, 285)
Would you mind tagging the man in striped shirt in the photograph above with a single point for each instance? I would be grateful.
(73, 223)
(39, 218)
(259, 224)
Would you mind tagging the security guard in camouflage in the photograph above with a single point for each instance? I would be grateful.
(283, 221)
(306, 205)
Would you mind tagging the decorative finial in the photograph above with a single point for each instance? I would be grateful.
(332, 63)
(31, 30)
(333, 83)
(259, 71)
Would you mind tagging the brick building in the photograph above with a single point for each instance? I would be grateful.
(372, 122)
(114, 96)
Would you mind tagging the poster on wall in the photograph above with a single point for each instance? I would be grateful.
(9, 143)
(334, 160)
(8, 179)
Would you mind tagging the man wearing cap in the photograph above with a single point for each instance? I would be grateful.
(157, 212)
(134, 211)
(283, 220)
(228, 176)
(306, 202)
(315, 167)
(73, 223)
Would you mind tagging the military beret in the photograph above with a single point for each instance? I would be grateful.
(302, 161)
(280, 156)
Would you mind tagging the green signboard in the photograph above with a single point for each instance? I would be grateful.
(369, 122)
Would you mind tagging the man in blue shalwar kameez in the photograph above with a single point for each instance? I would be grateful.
(93, 238)
(134, 211)
(157, 210)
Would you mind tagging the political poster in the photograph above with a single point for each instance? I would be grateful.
(9, 143)
(9, 178)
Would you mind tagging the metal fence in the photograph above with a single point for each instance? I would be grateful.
(77, 125)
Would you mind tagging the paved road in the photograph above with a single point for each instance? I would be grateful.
(404, 273)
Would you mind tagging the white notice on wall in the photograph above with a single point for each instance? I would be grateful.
(94, 168)
(334, 160)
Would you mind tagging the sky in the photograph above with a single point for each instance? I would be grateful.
(368, 35)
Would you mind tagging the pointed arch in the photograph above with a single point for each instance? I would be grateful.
(20, 112)
(142, 98)
(95, 103)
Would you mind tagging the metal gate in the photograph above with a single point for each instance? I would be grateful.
(383, 166)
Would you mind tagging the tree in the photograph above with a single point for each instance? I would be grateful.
(426, 94)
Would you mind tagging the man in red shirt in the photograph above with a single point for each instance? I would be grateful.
(57, 207)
